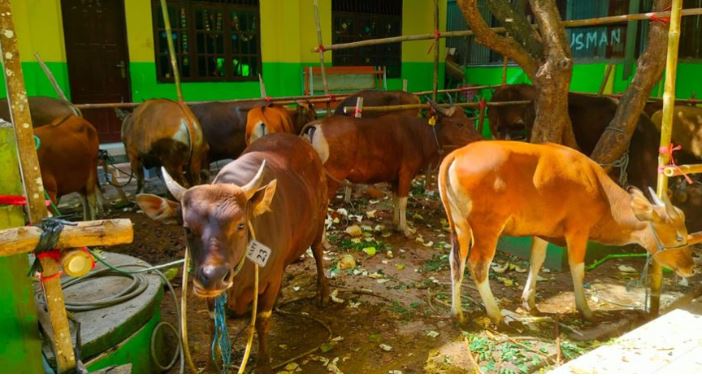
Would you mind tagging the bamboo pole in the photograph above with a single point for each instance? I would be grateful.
(34, 189)
(320, 42)
(437, 43)
(505, 61)
(609, 20)
(666, 130)
(682, 170)
(84, 234)
(171, 50)
(401, 107)
(605, 79)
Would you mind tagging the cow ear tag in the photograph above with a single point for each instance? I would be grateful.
(258, 253)
(432, 120)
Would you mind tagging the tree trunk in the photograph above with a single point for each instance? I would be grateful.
(552, 79)
(544, 55)
(615, 140)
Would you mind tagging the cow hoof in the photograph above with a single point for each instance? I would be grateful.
(587, 315)
(530, 307)
(408, 232)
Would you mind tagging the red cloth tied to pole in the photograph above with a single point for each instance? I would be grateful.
(482, 104)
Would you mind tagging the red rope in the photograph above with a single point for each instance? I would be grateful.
(54, 254)
(668, 150)
(437, 36)
(332, 98)
(482, 104)
(321, 48)
(659, 19)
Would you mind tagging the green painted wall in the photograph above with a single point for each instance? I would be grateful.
(587, 77)
(20, 346)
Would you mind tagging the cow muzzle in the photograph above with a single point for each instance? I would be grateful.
(212, 280)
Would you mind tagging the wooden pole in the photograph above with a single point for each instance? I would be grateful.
(104, 232)
(33, 186)
(320, 42)
(505, 61)
(437, 43)
(171, 50)
(609, 20)
(666, 130)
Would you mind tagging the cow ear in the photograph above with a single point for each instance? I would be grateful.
(159, 208)
(261, 199)
(643, 210)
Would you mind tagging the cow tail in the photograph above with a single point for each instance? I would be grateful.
(443, 185)
(446, 194)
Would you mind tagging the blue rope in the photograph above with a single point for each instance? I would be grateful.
(221, 333)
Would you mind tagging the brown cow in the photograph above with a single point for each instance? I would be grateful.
(590, 115)
(68, 156)
(392, 148)
(379, 98)
(263, 120)
(165, 133)
(277, 187)
(224, 127)
(44, 110)
(549, 191)
(687, 128)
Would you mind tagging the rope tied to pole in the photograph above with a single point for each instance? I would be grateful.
(437, 37)
(669, 150)
(664, 20)
(51, 229)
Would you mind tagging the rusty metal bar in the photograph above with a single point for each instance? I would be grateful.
(33, 186)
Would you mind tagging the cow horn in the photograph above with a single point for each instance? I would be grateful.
(176, 189)
(251, 187)
(438, 109)
(655, 198)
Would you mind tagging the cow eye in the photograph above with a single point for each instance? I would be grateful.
(188, 231)
(241, 226)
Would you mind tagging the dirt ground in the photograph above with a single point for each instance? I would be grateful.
(391, 309)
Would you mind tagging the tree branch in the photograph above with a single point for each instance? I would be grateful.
(517, 25)
(615, 140)
(505, 46)
(552, 31)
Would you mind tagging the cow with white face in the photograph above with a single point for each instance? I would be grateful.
(275, 192)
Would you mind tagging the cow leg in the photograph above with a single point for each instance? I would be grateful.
(577, 245)
(403, 227)
(395, 209)
(138, 170)
(89, 202)
(265, 308)
(538, 255)
(460, 240)
(481, 255)
(348, 190)
(403, 187)
(322, 282)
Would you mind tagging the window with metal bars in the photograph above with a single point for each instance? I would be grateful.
(354, 20)
(214, 40)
